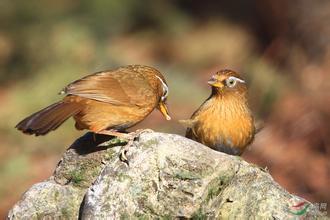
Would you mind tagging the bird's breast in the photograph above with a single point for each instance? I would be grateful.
(224, 124)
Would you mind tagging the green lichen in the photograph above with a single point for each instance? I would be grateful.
(122, 177)
(166, 217)
(65, 213)
(199, 215)
(77, 177)
(124, 216)
(56, 195)
(114, 142)
(141, 216)
(95, 172)
(85, 172)
(109, 155)
(215, 187)
(149, 143)
(213, 192)
(186, 175)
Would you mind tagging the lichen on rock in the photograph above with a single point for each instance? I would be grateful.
(168, 177)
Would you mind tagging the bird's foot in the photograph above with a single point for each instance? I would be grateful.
(123, 151)
(123, 138)
(138, 132)
(129, 138)
(133, 136)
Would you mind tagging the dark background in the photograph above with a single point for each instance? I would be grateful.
(281, 47)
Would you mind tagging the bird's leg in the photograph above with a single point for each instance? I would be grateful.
(94, 137)
(133, 136)
(130, 137)
(115, 133)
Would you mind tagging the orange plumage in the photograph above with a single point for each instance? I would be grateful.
(104, 102)
(224, 122)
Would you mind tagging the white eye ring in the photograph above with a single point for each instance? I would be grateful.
(232, 80)
(165, 89)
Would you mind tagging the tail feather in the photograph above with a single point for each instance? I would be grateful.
(49, 118)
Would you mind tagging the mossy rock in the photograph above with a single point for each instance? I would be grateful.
(168, 177)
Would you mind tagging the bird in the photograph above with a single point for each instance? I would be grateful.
(106, 102)
(224, 121)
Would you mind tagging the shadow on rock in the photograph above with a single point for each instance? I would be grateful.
(91, 142)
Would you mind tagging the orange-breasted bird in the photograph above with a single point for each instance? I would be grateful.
(106, 102)
(224, 121)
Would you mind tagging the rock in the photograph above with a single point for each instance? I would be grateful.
(168, 177)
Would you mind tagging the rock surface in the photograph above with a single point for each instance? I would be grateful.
(168, 177)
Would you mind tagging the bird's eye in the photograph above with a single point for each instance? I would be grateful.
(164, 97)
(165, 89)
(231, 82)
(165, 92)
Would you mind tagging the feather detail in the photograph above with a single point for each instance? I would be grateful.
(48, 119)
(223, 121)
(123, 87)
(189, 123)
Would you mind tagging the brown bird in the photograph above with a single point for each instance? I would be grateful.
(106, 102)
(224, 121)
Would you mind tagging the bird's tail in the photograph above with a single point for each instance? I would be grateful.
(48, 119)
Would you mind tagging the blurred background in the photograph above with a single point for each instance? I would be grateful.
(281, 47)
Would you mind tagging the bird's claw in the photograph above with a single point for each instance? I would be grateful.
(133, 137)
(138, 132)
(122, 155)
(124, 149)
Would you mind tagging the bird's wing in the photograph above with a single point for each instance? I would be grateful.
(123, 86)
(189, 123)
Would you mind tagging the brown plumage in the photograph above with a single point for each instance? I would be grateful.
(105, 101)
(223, 122)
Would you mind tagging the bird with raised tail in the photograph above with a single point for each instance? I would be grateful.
(106, 102)
(224, 121)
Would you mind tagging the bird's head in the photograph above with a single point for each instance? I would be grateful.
(157, 81)
(227, 82)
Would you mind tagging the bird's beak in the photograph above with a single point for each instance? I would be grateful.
(163, 109)
(215, 83)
